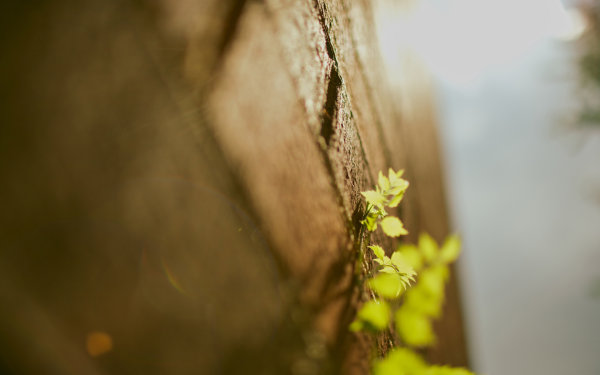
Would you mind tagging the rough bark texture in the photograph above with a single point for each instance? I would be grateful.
(185, 177)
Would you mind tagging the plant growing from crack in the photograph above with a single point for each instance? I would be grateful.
(409, 309)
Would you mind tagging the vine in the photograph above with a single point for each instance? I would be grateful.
(409, 310)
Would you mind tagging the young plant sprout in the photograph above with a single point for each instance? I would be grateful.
(410, 309)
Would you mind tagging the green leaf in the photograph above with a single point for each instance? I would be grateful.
(414, 328)
(388, 367)
(399, 186)
(384, 183)
(375, 314)
(412, 256)
(402, 265)
(388, 268)
(378, 251)
(387, 285)
(443, 270)
(395, 201)
(370, 222)
(393, 227)
(387, 265)
(375, 198)
(380, 212)
(417, 300)
(400, 361)
(432, 280)
(394, 177)
(396, 180)
(428, 247)
(356, 326)
(451, 249)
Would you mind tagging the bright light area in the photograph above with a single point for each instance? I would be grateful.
(460, 40)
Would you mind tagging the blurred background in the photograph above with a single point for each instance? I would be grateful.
(522, 158)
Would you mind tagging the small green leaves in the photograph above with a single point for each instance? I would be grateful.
(378, 251)
(373, 315)
(412, 256)
(384, 183)
(433, 255)
(370, 222)
(396, 178)
(402, 273)
(451, 249)
(387, 285)
(374, 198)
(428, 247)
(432, 280)
(421, 302)
(400, 361)
(402, 266)
(388, 193)
(403, 361)
(392, 226)
(414, 328)
(396, 200)
(413, 314)
(397, 187)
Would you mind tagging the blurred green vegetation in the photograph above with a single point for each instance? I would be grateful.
(406, 312)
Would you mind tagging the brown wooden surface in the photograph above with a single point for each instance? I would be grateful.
(186, 176)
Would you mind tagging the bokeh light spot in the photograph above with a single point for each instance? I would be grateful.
(98, 343)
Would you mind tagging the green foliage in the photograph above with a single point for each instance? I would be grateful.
(403, 361)
(378, 251)
(414, 328)
(423, 302)
(412, 256)
(387, 285)
(411, 309)
(396, 264)
(374, 316)
(399, 361)
(428, 247)
(393, 227)
(451, 249)
(388, 193)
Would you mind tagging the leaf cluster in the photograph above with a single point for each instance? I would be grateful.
(410, 308)
(403, 361)
(393, 277)
(423, 302)
(388, 193)
(393, 274)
